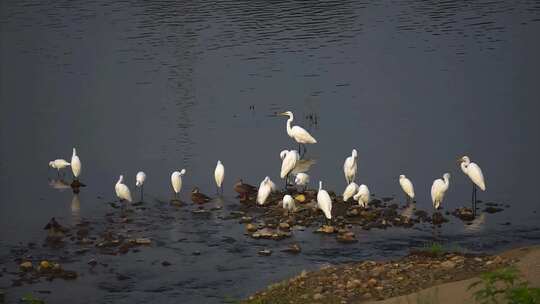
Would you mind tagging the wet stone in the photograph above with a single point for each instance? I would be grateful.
(294, 249)
(265, 252)
(326, 229)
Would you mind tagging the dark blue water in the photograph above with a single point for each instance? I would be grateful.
(164, 85)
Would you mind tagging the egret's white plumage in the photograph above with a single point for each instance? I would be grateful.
(176, 180)
(299, 134)
(140, 178)
(265, 188)
(289, 162)
(324, 202)
(122, 191)
(301, 179)
(59, 164)
(273, 186)
(219, 174)
(350, 167)
(76, 165)
(407, 186)
(438, 190)
(473, 171)
(350, 191)
(288, 202)
(362, 196)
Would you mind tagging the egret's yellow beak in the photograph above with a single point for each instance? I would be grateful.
(283, 114)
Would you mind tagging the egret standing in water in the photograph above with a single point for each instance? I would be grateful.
(139, 181)
(474, 172)
(350, 167)
(324, 202)
(76, 165)
(299, 134)
(362, 196)
(438, 190)
(59, 164)
(122, 191)
(290, 158)
(176, 181)
(407, 187)
(219, 175)
(350, 191)
(265, 188)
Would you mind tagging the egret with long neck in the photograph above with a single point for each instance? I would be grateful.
(476, 176)
(299, 134)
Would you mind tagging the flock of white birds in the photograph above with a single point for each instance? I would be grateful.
(290, 160)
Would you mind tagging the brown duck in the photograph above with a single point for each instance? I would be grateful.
(244, 189)
(198, 197)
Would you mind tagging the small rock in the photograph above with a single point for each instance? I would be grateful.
(143, 241)
(246, 219)
(45, 265)
(251, 228)
(372, 282)
(26, 266)
(294, 249)
(166, 263)
(265, 252)
(317, 297)
(284, 226)
(326, 229)
(196, 252)
(448, 264)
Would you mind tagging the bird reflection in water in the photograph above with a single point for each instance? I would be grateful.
(477, 224)
(76, 208)
(59, 184)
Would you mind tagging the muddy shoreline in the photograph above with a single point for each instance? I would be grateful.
(370, 281)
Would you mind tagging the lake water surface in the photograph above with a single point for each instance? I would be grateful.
(164, 85)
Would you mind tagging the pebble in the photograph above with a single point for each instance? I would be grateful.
(26, 266)
(294, 249)
(251, 228)
(448, 264)
(265, 252)
(317, 297)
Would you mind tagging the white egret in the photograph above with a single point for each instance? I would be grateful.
(473, 171)
(290, 158)
(59, 164)
(302, 179)
(303, 165)
(350, 167)
(176, 181)
(219, 175)
(122, 191)
(288, 202)
(438, 190)
(139, 181)
(362, 196)
(299, 134)
(324, 202)
(350, 191)
(407, 187)
(273, 186)
(265, 188)
(76, 165)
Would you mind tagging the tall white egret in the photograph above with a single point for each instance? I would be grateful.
(273, 186)
(219, 175)
(324, 202)
(350, 191)
(362, 196)
(473, 171)
(265, 188)
(350, 167)
(122, 191)
(288, 202)
(76, 165)
(139, 181)
(438, 190)
(290, 158)
(407, 187)
(299, 134)
(176, 181)
(59, 164)
(302, 179)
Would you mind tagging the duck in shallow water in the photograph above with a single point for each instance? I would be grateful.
(198, 197)
(244, 190)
